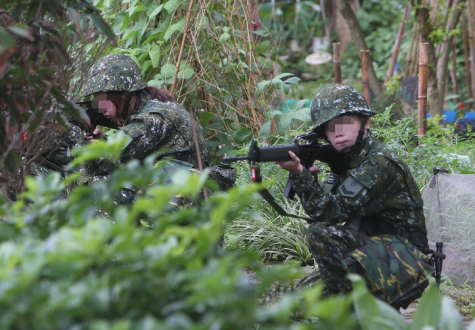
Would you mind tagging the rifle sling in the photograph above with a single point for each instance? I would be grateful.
(270, 199)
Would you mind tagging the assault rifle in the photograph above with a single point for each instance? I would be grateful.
(305, 147)
(95, 117)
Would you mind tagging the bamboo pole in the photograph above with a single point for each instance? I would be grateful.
(177, 64)
(471, 15)
(422, 89)
(466, 52)
(365, 74)
(336, 62)
(397, 44)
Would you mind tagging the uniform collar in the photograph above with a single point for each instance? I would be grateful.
(357, 159)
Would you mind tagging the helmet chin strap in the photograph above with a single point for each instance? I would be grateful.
(356, 147)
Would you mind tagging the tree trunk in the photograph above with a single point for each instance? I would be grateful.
(423, 16)
(359, 41)
(446, 45)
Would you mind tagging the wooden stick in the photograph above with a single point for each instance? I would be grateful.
(466, 52)
(422, 97)
(454, 72)
(397, 44)
(177, 64)
(365, 74)
(197, 146)
(337, 62)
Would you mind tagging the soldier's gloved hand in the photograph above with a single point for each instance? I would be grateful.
(333, 158)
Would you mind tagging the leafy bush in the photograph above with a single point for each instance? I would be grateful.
(85, 263)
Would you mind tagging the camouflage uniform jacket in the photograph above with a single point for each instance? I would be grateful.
(376, 187)
(56, 152)
(163, 127)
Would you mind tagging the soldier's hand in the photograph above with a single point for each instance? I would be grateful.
(293, 165)
(96, 134)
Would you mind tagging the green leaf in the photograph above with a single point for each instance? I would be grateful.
(6, 40)
(172, 5)
(155, 12)
(265, 129)
(450, 318)
(74, 15)
(283, 75)
(225, 36)
(263, 47)
(262, 85)
(102, 25)
(20, 30)
(428, 312)
(261, 33)
(154, 53)
(177, 27)
(186, 73)
(168, 71)
(241, 135)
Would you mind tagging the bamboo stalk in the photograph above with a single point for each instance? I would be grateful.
(397, 44)
(365, 74)
(422, 89)
(466, 52)
(337, 62)
(177, 64)
(471, 15)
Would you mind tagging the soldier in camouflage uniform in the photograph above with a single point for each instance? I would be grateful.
(369, 218)
(150, 117)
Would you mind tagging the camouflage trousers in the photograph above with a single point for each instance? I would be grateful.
(329, 243)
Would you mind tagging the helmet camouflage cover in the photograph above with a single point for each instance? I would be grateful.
(337, 100)
(116, 72)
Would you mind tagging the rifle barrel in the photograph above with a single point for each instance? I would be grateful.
(237, 158)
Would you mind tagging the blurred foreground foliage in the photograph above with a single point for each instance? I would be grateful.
(85, 263)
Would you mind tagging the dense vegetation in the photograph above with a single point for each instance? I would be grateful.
(85, 263)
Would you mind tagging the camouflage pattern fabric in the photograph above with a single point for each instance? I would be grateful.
(337, 100)
(116, 72)
(329, 244)
(225, 175)
(396, 270)
(57, 153)
(376, 188)
(163, 127)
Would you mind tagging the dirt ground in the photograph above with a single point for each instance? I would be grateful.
(409, 312)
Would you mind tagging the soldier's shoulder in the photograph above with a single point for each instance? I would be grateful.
(159, 106)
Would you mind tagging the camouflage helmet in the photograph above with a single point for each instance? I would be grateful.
(337, 100)
(116, 72)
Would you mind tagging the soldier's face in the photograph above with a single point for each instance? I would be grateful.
(343, 131)
(105, 106)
